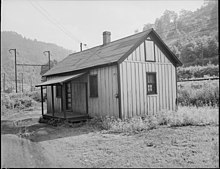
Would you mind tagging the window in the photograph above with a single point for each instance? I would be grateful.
(93, 82)
(149, 51)
(58, 91)
(151, 83)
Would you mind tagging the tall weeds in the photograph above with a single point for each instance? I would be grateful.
(185, 116)
(198, 93)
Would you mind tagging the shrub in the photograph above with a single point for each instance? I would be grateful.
(199, 93)
(185, 116)
(197, 71)
(16, 100)
(36, 95)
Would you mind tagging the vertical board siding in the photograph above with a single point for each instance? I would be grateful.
(49, 103)
(134, 98)
(106, 104)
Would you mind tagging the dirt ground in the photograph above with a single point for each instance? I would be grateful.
(83, 146)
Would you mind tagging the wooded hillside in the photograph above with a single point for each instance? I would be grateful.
(192, 36)
(28, 51)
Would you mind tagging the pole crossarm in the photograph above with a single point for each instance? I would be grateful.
(20, 64)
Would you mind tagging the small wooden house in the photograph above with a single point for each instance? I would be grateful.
(132, 76)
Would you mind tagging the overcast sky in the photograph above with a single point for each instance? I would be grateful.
(67, 23)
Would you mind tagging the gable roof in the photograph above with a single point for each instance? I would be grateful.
(112, 53)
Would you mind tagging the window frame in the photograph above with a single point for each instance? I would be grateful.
(58, 91)
(92, 93)
(145, 51)
(155, 76)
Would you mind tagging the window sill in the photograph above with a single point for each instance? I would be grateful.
(150, 60)
(150, 94)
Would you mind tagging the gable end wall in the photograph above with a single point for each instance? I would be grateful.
(134, 98)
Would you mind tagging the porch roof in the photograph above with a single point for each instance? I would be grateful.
(59, 80)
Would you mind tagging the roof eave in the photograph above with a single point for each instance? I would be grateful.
(83, 69)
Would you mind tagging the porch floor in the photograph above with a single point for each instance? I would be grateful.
(73, 116)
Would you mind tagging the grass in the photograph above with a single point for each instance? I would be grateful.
(198, 93)
(185, 116)
(142, 142)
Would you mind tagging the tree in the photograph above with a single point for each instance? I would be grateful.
(188, 54)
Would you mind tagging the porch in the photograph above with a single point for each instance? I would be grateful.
(70, 116)
(66, 98)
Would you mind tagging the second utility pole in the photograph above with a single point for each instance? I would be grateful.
(16, 89)
(48, 57)
(81, 47)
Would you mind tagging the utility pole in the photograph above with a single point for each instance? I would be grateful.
(81, 47)
(16, 89)
(48, 57)
(81, 44)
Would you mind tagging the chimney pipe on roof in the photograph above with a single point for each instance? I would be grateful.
(106, 37)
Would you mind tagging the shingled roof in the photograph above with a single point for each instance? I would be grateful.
(104, 54)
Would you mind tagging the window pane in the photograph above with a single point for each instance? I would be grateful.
(149, 46)
(93, 81)
(151, 78)
(149, 87)
(58, 91)
(151, 83)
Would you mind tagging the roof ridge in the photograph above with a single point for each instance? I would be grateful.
(132, 35)
(112, 41)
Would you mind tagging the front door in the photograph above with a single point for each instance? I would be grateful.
(79, 98)
(68, 96)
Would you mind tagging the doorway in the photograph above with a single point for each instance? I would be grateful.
(68, 96)
(79, 98)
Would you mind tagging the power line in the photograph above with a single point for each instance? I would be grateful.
(57, 22)
(53, 22)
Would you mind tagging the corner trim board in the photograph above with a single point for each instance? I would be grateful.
(119, 91)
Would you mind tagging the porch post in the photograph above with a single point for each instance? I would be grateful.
(87, 109)
(52, 99)
(42, 102)
(62, 109)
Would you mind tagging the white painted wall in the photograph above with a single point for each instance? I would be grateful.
(135, 100)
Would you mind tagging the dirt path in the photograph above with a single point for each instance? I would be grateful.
(84, 146)
(22, 153)
(163, 147)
